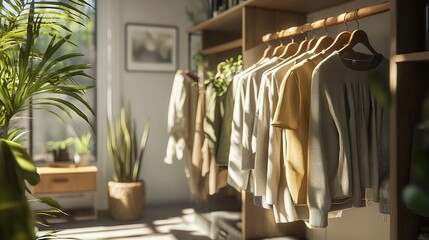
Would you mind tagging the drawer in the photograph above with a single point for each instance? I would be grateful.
(66, 182)
(67, 201)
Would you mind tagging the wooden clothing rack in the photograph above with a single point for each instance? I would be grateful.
(330, 21)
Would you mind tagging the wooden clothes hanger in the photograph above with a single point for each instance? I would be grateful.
(339, 42)
(323, 42)
(219, 69)
(302, 46)
(267, 52)
(312, 41)
(188, 73)
(192, 76)
(290, 49)
(278, 50)
(359, 36)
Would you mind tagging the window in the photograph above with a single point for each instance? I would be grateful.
(45, 127)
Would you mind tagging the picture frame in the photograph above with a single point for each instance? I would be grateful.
(150, 47)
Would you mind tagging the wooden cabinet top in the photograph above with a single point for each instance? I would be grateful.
(59, 170)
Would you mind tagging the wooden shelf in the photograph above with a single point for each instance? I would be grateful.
(223, 47)
(231, 18)
(227, 21)
(303, 6)
(412, 57)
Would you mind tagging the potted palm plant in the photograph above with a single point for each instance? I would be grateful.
(127, 190)
(34, 74)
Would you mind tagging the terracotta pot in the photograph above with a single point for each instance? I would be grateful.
(126, 200)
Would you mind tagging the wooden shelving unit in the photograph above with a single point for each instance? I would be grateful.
(227, 21)
(412, 57)
(223, 47)
(232, 16)
(223, 31)
(409, 71)
(239, 30)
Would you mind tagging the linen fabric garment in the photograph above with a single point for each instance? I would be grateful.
(285, 210)
(181, 117)
(347, 136)
(213, 122)
(200, 158)
(249, 108)
(225, 108)
(292, 113)
(237, 177)
(182, 110)
(266, 137)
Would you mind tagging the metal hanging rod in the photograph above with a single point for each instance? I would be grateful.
(330, 21)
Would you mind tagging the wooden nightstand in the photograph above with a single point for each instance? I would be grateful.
(73, 188)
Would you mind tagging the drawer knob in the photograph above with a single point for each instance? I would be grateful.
(59, 180)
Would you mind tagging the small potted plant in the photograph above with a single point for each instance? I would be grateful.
(127, 190)
(59, 150)
(82, 147)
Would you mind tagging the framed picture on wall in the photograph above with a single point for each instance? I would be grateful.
(151, 47)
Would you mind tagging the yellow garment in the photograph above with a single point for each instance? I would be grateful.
(292, 113)
(199, 183)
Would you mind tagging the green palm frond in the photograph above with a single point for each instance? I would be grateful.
(36, 75)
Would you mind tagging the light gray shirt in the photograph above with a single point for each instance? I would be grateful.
(347, 137)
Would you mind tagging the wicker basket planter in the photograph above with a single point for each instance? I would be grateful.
(126, 200)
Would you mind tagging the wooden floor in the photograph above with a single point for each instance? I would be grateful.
(159, 222)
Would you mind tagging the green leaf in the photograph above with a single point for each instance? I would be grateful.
(48, 201)
(379, 88)
(72, 107)
(421, 166)
(123, 148)
(25, 165)
(416, 199)
(143, 141)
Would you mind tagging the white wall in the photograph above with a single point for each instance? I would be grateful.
(363, 223)
(148, 93)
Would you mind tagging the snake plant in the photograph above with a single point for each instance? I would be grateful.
(124, 150)
(34, 74)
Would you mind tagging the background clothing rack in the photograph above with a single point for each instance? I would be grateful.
(330, 21)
